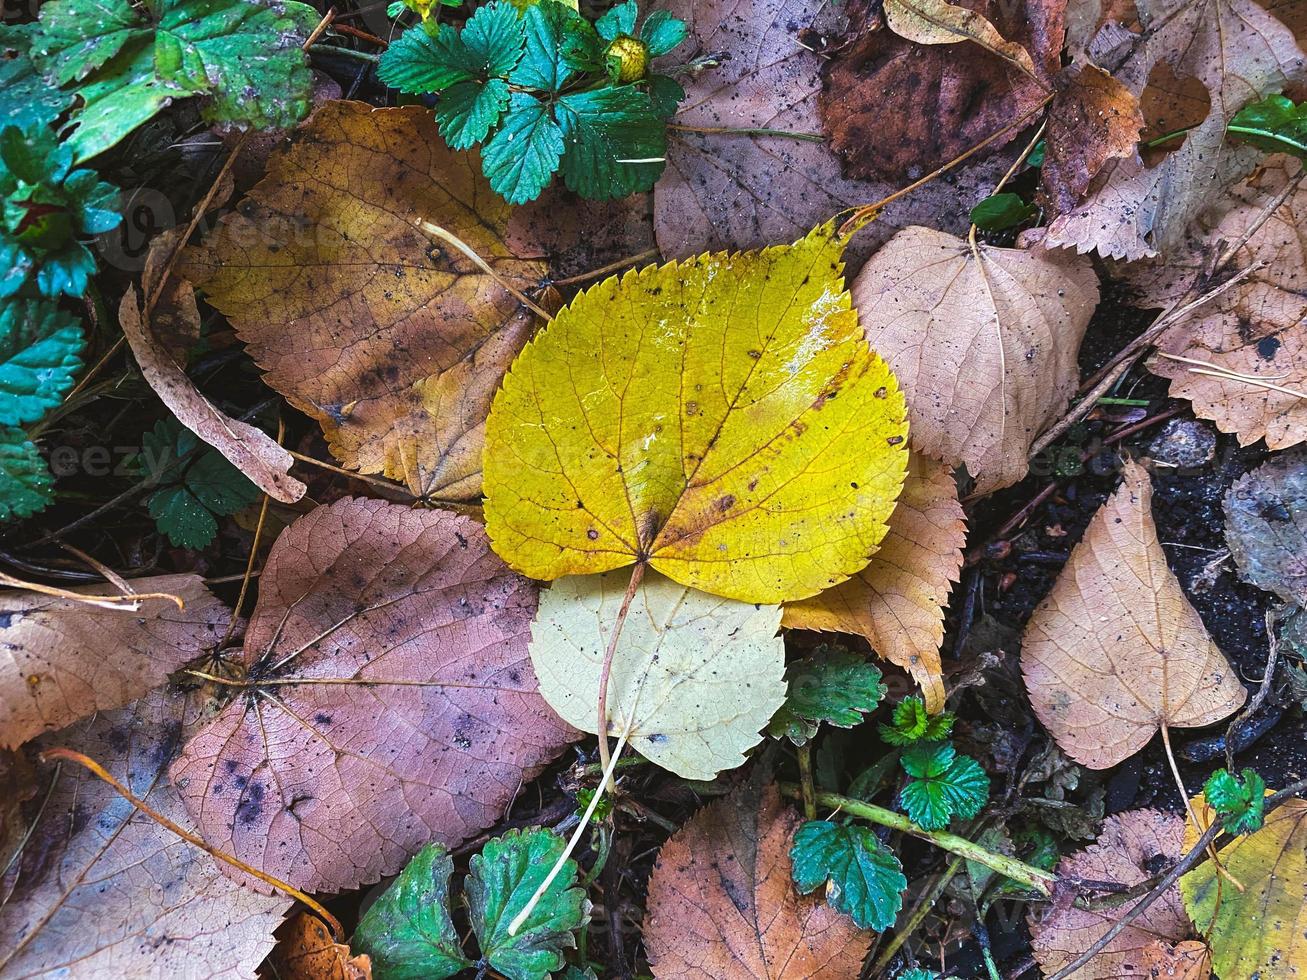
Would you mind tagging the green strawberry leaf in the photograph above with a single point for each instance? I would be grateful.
(520, 159)
(550, 26)
(40, 348)
(910, 723)
(1240, 801)
(665, 93)
(489, 45)
(218, 485)
(500, 882)
(495, 36)
(918, 973)
(179, 514)
(468, 110)
(75, 38)
(615, 142)
(945, 785)
(998, 212)
(24, 478)
(619, 20)
(662, 32)
(834, 686)
(1274, 125)
(866, 879)
(408, 931)
(26, 98)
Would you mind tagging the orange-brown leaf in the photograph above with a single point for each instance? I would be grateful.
(897, 601)
(722, 905)
(1116, 651)
(306, 951)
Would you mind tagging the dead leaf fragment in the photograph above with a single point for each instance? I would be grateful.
(1266, 526)
(721, 903)
(104, 891)
(1116, 651)
(896, 110)
(306, 951)
(983, 341)
(1093, 119)
(1132, 847)
(61, 659)
(897, 601)
(393, 342)
(393, 701)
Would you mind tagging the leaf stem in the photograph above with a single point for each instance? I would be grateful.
(805, 781)
(606, 671)
(1026, 874)
(747, 131)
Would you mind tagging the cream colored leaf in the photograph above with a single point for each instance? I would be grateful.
(695, 676)
(1116, 651)
(937, 22)
(897, 601)
(983, 342)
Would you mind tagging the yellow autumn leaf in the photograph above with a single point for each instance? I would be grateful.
(721, 419)
(1257, 932)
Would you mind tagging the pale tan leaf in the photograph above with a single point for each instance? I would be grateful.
(939, 22)
(694, 676)
(897, 601)
(1128, 851)
(722, 905)
(1116, 651)
(395, 342)
(61, 659)
(983, 342)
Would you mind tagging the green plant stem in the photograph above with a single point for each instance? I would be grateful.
(805, 781)
(1020, 872)
(1167, 137)
(1290, 145)
(919, 912)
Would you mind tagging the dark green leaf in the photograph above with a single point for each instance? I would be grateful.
(26, 98)
(501, 880)
(619, 20)
(544, 64)
(24, 477)
(1240, 801)
(408, 931)
(945, 786)
(866, 879)
(834, 686)
(662, 32)
(1002, 211)
(665, 93)
(1274, 124)
(520, 159)
(918, 973)
(910, 723)
(179, 514)
(39, 354)
(418, 63)
(219, 485)
(495, 36)
(75, 38)
(615, 142)
(468, 110)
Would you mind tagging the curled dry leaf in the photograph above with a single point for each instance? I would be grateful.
(897, 601)
(694, 677)
(1257, 932)
(940, 22)
(394, 341)
(706, 438)
(983, 341)
(895, 110)
(1093, 119)
(1132, 847)
(721, 903)
(1266, 526)
(62, 659)
(1240, 53)
(390, 699)
(733, 190)
(306, 951)
(104, 891)
(1116, 651)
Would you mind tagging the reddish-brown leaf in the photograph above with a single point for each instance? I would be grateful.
(722, 905)
(391, 699)
(306, 951)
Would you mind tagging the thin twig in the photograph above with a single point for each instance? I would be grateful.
(431, 228)
(607, 668)
(1263, 690)
(603, 270)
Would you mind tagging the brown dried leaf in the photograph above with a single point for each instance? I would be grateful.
(940, 22)
(64, 659)
(1240, 53)
(732, 191)
(721, 903)
(104, 891)
(983, 342)
(1116, 651)
(306, 951)
(1132, 847)
(393, 700)
(895, 110)
(250, 449)
(394, 344)
(897, 601)
(1092, 119)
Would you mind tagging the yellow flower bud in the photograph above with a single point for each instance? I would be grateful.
(631, 57)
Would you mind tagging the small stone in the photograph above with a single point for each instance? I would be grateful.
(1185, 444)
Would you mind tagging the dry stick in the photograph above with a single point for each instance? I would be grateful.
(433, 229)
(1210, 370)
(1016, 164)
(1250, 709)
(748, 131)
(1263, 216)
(1189, 808)
(254, 551)
(127, 603)
(871, 210)
(352, 474)
(649, 253)
(88, 763)
(925, 905)
(606, 670)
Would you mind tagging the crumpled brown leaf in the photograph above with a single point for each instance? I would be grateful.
(1266, 526)
(306, 951)
(61, 659)
(1240, 53)
(897, 601)
(392, 700)
(895, 109)
(104, 891)
(1116, 651)
(394, 342)
(721, 903)
(734, 191)
(1132, 847)
(983, 342)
